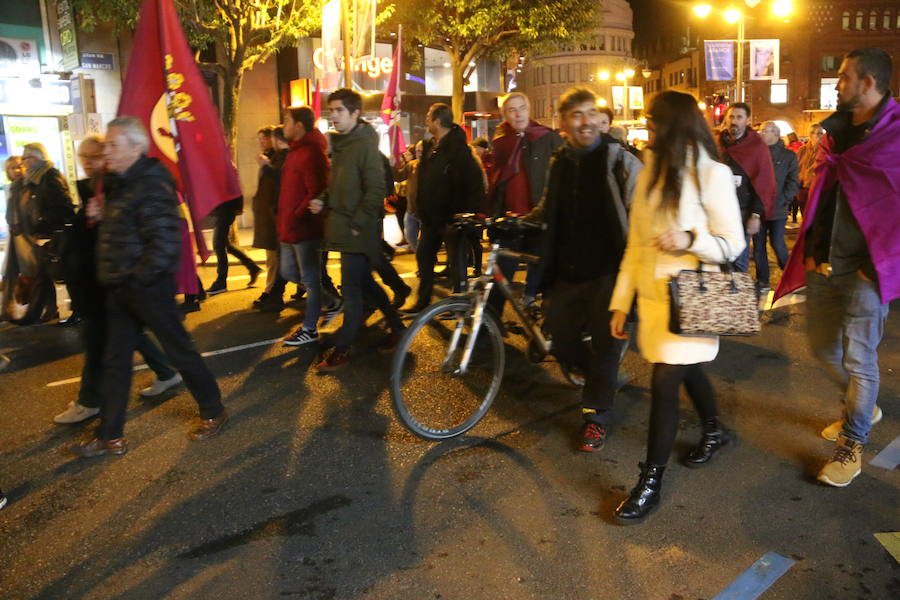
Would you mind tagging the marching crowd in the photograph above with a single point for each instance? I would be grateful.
(617, 222)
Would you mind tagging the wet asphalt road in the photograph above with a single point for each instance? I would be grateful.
(314, 491)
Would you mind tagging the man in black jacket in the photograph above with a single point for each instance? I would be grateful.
(450, 182)
(787, 184)
(138, 247)
(585, 212)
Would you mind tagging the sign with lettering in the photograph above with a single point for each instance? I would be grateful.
(98, 61)
(68, 38)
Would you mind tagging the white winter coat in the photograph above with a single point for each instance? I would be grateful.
(645, 269)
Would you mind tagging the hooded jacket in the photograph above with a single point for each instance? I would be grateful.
(303, 177)
(869, 175)
(355, 197)
(450, 179)
(139, 238)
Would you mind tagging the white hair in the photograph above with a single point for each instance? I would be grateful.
(36, 150)
(511, 95)
(134, 131)
(772, 124)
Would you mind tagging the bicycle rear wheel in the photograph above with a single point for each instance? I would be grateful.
(432, 396)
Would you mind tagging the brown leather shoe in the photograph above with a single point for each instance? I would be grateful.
(96, 447)
(204, 429)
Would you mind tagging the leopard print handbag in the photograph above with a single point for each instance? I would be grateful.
(713, 303)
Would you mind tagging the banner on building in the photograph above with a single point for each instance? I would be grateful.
(719, 56)
(332, 50)
(764, 59)
(635, 97)
(363, 28)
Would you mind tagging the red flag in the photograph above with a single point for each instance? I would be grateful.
(164, 88)
(317, 102)
(390, 105)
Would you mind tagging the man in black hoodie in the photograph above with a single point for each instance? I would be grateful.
(138, 248)
(450, 182)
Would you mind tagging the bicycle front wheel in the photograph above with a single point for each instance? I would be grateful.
(433, 394)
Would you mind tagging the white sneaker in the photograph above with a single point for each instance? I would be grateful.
(161, 385)
(75, 413)
(832, 432)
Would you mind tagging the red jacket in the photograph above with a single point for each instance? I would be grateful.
(303, 177)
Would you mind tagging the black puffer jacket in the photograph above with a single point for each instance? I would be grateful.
(50, 206)
(450, 180)
(139, 239)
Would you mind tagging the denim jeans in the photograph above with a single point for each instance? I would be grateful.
(411, 227)
(742, 262)
(302, 263)
(774, 232)
(845, 324)
(359, 289)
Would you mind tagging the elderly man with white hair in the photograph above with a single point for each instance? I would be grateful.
(138, 246)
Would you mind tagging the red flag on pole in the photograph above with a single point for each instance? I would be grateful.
(317, 102)
(390, 106)
(164, 88)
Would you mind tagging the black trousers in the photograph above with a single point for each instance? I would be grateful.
(571, 310)
(222, 246)
(359, 290)
(667, 380)
(130, 307)
(430, 239)
(43, 298)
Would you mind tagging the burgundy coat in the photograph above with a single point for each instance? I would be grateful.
(303, 177)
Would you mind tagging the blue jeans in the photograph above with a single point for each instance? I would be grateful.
(302, 263)
(845, 324)
(774, 232)
(742, 262)
(411, 227)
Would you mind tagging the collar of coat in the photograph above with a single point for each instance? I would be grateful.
(34, 177)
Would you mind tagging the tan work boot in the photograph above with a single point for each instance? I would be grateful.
(845, 463)
(832, 432)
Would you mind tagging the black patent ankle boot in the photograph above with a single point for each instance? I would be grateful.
(644, 498)
(715, 438)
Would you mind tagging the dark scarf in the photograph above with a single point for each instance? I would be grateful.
(753, 156)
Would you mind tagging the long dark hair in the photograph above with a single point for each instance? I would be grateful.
(679, 126)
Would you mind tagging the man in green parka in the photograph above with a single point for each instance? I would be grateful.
(354, 205)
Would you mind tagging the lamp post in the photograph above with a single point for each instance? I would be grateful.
(780, 8)
(624, 76)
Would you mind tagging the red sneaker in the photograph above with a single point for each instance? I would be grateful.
(335, 361)
(593, 437)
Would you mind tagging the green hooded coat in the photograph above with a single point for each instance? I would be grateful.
(355, 193)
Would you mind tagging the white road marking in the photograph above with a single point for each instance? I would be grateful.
(142, 366)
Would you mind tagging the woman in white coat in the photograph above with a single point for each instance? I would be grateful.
(684, 212)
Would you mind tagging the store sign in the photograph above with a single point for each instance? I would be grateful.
(68, 38)
(19, 58)
(98, 61)
(374, 66)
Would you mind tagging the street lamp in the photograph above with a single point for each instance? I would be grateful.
(604, 75)
(624, 76)
(780, 8)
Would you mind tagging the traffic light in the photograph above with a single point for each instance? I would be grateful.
(718, 110)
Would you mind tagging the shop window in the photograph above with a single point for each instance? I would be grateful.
(827, 93)
(830, 63)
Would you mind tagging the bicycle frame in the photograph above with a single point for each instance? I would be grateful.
(479, 290)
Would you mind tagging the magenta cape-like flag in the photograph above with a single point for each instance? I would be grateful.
(164, 88)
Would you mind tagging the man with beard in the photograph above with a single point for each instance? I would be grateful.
(746, 153)
(522, 149)
(585, 213)
(848, 249)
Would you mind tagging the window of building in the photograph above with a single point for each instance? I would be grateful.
(873, 20)
(886, 24)
(778, 93)
(827, 93)
(554, 73)
(573, 75)
(845, 20)
(859, 20)
(830, 63)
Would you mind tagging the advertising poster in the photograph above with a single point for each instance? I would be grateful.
(719, 56)
(332, 50)
(764, 59)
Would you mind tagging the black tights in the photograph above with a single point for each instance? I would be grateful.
(667, 379)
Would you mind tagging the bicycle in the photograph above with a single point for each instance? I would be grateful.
(457, 343)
